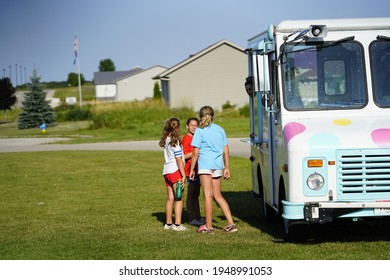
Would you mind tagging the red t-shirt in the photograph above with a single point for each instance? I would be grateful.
(187, 148)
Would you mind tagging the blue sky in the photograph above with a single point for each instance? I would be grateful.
(39, 34)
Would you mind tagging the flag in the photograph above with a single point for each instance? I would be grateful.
(75, 48)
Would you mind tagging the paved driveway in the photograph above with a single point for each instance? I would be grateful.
(237, 147)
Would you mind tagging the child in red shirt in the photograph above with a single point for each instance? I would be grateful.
(193, 191)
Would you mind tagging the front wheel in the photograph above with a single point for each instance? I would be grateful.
(295, 231)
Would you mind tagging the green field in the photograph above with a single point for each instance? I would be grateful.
(100, 205)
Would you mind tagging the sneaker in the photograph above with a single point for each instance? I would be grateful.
(168, 227)
(179, 227)
(196, 223)
(230, 228)
(204, 229)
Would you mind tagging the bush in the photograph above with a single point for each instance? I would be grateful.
(230, 111)
(228, 106)
(183, 114)
(10, 115)
(244, 111)
(78, 114)
(73, 113)
(126, 115)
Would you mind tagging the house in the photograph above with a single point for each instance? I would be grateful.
(137, 86)
(213, 76)
(105, 83)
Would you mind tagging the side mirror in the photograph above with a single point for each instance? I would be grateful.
(261, 69)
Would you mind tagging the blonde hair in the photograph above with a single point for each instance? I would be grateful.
(171, 129)
(206, 115)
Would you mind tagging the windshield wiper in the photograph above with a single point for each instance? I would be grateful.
(382, 37)
(333, 43)
(301, 35)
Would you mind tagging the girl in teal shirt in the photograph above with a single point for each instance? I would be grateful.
(211, 151)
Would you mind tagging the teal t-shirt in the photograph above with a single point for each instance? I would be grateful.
(210, 140)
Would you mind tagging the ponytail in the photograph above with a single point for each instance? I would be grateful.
(206, 115)
(171, 129)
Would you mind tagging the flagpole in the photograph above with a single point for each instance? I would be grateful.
(78, 72)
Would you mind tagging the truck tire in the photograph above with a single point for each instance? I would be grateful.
(295, 231)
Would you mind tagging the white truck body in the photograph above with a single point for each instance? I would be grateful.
(320, 120)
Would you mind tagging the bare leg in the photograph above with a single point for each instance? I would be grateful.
(169, 205)
(217, 184)
(207, 188)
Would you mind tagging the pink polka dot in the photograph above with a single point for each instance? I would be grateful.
(381, 137)
(292, 129)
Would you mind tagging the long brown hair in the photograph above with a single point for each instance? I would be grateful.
(171, 129)
(206, 115)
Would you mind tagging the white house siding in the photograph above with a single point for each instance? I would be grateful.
(139, 86)
(105, 92)
(212, 79)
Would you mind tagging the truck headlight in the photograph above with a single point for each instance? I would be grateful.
(315, 181)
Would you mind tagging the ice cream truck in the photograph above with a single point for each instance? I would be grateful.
(319, 98)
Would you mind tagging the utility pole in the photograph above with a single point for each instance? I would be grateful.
(16, 71)
(21, 76)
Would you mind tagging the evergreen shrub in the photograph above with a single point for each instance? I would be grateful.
(36, 109)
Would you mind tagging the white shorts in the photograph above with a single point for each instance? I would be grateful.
(215, 173)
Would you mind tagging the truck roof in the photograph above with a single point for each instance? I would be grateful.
(335, 24)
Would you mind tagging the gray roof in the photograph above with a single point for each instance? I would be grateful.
(104, 78)
(191, 58)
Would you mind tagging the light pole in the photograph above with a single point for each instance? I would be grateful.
(21, 76)
(16, 71)
(10, 77)
(25, 77)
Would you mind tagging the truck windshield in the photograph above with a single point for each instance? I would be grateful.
(324, 76)
(380, 68)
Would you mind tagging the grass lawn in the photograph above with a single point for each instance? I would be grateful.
(103, 205)
(87, 91)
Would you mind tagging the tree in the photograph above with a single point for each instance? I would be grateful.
(106, 65)
(7, 95)
(73, 79)
(156, 91)
(36, 109)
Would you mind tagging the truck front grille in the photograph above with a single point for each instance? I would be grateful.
(363, 174)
